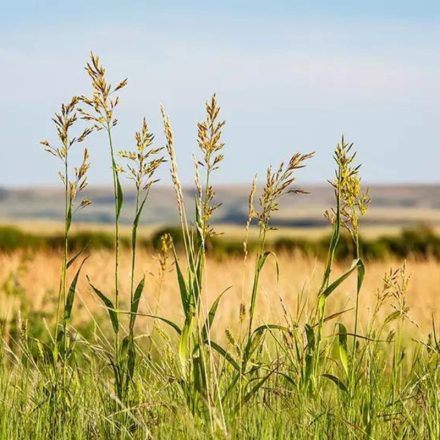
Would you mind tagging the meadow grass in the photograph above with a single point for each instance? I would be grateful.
(320, 368)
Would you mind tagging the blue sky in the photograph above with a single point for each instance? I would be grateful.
(290, 76)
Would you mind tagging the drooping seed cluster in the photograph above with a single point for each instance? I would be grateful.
(278, 183)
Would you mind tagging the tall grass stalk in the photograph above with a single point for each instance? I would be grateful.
(100, 112)
(351, 203)
(195, 347)
(278, 183)
(142, 164)
(64, 121)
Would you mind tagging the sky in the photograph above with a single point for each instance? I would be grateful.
(289, 75)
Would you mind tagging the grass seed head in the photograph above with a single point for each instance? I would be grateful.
(211, 146)
(278, 183)
(144, 161)
(169, 146)
(347, 185)
(101, 104)
(64, 122)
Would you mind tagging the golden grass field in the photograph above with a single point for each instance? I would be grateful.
(299, 281)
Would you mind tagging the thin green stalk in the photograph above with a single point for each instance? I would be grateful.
(356, 313)
(68, 204)
(132, 275)
(116, 204)
(201, 341)
(255, 283)
(62, 289)
(64, 270)
(133, 249)
(326, 278)
(202, 273)
(333, 243)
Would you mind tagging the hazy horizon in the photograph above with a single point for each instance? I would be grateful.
(128, 186)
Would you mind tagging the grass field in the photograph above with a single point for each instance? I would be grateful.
(401, 405)
(28, 284)
(118, 342)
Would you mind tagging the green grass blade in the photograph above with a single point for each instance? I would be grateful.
(110, 308)
(184, 343)
(265, 327)
(71, 294)
(166, 321)
(333, 286)
(342, 347)
(184, 295)
(220, 350)
(69, 217)
(338, 382)
(119, 197)
(211, 315)
(74, 258)
(136, 221)
(135, 303)
(256, 387)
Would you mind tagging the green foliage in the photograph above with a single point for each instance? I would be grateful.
(12, 238)
(420, 242)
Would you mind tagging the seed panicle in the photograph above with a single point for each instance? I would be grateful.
(277, 184)
(143, 162)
